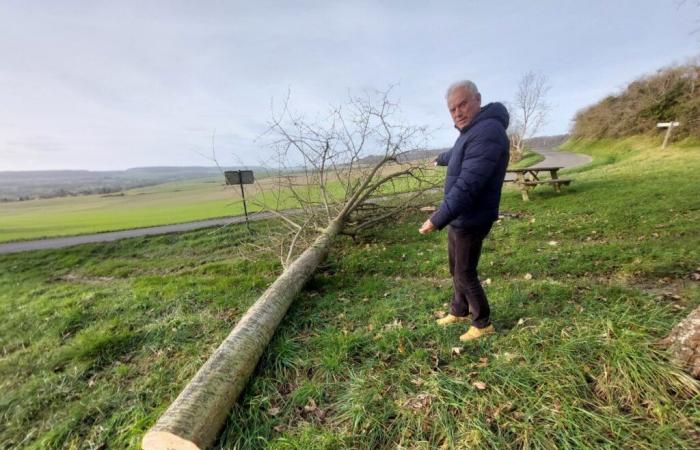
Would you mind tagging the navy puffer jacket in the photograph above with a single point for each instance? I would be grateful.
(476, 167)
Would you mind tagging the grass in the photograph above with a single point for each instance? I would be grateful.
(529, 158)
(155, 205)
(164, 204)
(98, 339)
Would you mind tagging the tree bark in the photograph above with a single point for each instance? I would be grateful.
(684, 343)
(194, 419)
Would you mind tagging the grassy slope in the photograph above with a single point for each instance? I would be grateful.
(98, 339)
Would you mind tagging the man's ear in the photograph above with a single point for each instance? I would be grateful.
(478, 97)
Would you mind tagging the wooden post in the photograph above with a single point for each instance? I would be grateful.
(553, 175)
(669, 126)
(520, 180)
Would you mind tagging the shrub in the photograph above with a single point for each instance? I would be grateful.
(671, 94)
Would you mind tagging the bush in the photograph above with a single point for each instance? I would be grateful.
(671, 94)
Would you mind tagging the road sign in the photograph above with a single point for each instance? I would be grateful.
(239, 177)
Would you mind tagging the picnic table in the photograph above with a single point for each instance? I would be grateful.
(531, 177)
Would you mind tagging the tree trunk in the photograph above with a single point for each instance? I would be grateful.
(194, 419)
(684, 343)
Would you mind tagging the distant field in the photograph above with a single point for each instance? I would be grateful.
(156, 205)
(164, 204)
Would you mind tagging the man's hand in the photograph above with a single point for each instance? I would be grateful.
(427, 227)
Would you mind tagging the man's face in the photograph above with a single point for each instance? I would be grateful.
(463, 106)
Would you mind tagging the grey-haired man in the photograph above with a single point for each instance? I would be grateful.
(476, 167)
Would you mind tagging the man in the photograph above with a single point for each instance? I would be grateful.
(476, 167)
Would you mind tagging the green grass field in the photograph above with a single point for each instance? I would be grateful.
(155, 205)
(163, 204)
(98, 339)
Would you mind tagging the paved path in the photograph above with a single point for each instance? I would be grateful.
(562, 159)
(558, 159)
(552, 158)
(59, 242)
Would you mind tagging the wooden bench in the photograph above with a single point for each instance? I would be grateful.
(556, 183)
(529, 178)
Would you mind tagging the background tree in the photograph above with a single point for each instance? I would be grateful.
(528, 111)
(342, 173)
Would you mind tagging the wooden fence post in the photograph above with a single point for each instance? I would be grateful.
(669, 126)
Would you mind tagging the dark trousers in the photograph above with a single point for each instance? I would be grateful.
(463, 250)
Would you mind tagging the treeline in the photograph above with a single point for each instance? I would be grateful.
(671, 94)
(38, 193)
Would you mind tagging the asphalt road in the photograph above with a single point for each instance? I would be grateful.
(59, 242)
(552, 158)
(558, 159)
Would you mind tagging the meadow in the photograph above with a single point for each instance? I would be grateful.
(98, 339)
(167, 203)
(163, 204)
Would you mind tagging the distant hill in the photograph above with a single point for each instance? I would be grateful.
(671, 94)
(26, 185)
(546, 142)
(535, 143)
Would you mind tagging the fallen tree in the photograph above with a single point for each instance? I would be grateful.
(683, 343)
(334, 188)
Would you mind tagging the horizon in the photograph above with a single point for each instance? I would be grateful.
(223, 167)
(102, 88)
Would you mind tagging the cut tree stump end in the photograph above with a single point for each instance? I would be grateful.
(684, 343)
(162, 440)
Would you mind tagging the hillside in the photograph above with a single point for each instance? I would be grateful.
(671, 94)
(98, 339)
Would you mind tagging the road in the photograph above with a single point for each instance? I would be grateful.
(60, 242)
(558, 159)
(552, 158)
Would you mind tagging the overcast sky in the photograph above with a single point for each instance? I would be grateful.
(118, 84)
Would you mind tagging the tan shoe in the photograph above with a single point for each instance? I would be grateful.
(476, 333)
(450, 319)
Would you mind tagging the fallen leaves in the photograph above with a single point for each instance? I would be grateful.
(420, 402)
(508, 356)
(311, 410)
(395, 325)
(480, 385)
(311, 405)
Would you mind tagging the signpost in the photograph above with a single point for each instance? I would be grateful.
(669, 126)
(241, 177)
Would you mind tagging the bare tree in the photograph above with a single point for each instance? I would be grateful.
(528, 111)
(340, 173)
